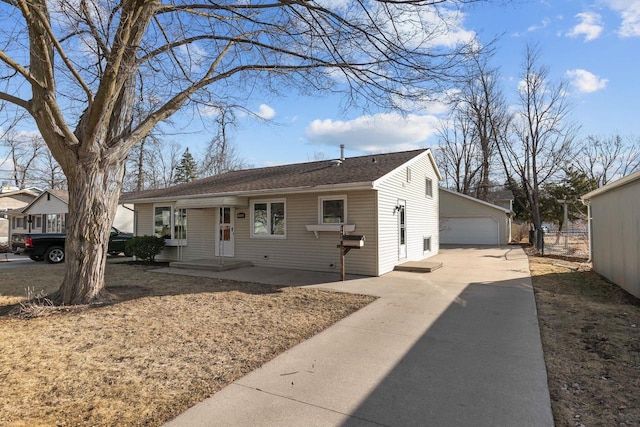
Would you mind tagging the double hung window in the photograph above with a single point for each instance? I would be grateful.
(268, 218)
(332, 210)
(171, 224)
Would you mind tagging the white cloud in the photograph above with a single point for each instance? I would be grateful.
(377, 133)
(630, 13)
(545, 23)
(586, 81)
(590, 26)
(265, 112)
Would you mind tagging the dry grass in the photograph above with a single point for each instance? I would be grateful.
(169, 343)
(591, 339)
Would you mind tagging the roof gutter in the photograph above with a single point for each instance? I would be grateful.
(256, 193)
(616, 184)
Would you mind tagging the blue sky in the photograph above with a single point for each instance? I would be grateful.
(593, 45)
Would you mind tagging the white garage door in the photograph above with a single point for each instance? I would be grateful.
(469, 231)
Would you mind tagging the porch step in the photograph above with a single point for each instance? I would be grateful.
(216, 264)
(418, 266)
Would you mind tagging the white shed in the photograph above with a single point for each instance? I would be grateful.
(465, 220)
(614, 225)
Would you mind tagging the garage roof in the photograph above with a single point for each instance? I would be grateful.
(482, 202)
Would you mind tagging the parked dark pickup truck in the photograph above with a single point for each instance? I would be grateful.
(50, 247)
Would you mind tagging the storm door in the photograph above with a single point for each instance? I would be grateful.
(224, 232)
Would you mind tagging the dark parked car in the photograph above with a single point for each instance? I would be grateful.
(50, 247)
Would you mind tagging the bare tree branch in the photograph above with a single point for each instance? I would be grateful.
(84, 64)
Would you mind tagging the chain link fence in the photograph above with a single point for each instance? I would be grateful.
(572, 243)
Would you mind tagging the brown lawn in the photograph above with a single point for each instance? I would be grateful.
(170, 342)
(591, 339)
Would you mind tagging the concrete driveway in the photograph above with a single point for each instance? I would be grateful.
(456, 347)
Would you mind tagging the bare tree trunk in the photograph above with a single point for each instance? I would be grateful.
(94, 191)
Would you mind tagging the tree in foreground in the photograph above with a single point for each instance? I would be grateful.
(78, 68)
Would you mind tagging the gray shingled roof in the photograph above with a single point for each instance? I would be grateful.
(353, 170)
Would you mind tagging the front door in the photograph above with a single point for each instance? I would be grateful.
(224, 232)
(402, 229)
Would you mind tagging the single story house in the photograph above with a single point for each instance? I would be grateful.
(47, 213)
(614, 231)
(291, 216)
(465, 220)
(11, 199)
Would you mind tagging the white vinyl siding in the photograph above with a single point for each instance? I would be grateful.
(51, 206)
(421, 214)
(200, 233)
(615, 231)
(464, 220)
(301, 249)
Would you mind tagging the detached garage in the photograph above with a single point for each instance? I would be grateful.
(465, 220)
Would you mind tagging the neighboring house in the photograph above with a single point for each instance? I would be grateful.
(502, 198)
(465, 220)
(290, 216)
(614, 212)
(12, 199)
(47, 213)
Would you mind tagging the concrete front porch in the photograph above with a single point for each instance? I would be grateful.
(212, 264)
(423, 266)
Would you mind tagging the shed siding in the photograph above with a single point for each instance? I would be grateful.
(455, 206)
(615, 232)
(421, 214)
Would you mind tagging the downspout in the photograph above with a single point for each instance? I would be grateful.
(587, 203)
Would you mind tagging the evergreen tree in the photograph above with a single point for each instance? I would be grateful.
(186, 169)
(574, 184)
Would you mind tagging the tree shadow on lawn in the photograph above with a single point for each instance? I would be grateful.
(126, 281)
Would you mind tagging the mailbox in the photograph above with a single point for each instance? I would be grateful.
(352, 241)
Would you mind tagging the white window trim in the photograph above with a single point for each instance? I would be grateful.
(61, 219)
(430, 238)
(172, 225)
(268, 202)
(321, 199)
(428, 187)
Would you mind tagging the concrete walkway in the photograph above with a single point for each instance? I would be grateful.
(456, 347)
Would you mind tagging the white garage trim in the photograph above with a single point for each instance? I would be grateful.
(480, 230)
